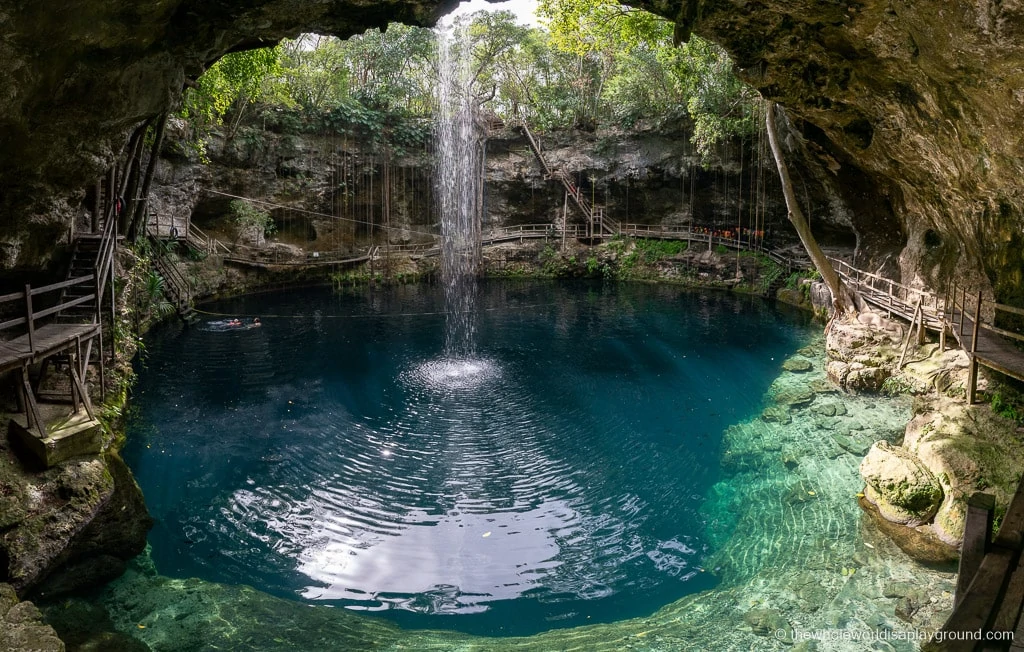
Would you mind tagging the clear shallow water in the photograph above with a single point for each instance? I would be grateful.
(555, 478)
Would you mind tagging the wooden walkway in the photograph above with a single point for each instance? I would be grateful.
(988, 612)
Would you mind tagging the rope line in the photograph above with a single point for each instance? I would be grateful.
(315, 213)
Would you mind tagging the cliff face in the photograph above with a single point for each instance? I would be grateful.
(916, 109)
(909, 111)
(327, 192)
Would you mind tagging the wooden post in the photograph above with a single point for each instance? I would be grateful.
(73, 359)
(963, 309)
(889, 310)
(103, 369)
(565, 217)
(113, 306)
(32, 416)
(920, 324)
(942, 319)
(977, 538)
(28, 317)
(972, 374)
(96, 207)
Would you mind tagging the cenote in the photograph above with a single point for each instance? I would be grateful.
(558, 476)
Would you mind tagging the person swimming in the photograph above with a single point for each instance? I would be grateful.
(256, 322)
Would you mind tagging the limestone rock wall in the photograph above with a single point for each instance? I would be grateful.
(915, 109)
(325, 190)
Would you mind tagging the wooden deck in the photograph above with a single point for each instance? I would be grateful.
(988, 612)
(46, 341)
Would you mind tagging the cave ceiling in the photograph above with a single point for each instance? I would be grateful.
(915, 108)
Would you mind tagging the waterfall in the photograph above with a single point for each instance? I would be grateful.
(459, 185)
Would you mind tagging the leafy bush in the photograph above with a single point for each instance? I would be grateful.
(256, 223)
(651, 251)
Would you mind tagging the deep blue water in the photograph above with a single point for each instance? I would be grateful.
(553, 479)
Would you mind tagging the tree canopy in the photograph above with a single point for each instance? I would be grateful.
(596, 63)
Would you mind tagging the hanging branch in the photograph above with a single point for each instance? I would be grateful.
(843, 299)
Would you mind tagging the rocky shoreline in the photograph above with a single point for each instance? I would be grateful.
(79, 524)
(949, 450)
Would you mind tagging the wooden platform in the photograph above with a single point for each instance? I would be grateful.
(990, 587)
(46, 340)
(67, 435)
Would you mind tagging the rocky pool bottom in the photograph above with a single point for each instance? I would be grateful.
(801, 565)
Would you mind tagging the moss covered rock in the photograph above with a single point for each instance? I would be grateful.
(900, 485)
(72, 526)
(968, 449)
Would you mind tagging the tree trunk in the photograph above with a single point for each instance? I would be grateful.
(138, 223)
(129, 184)
(843, 299)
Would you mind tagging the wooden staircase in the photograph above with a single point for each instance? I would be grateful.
(177, 289)
(598, 224)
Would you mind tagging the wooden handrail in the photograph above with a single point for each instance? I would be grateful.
(63, 306)
(78, 280)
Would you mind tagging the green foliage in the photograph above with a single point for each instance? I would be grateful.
(1007, 406)
(721, 250)
(598, 63)
(234, 81)
(637, 71)
(896, 386)
(650, 251)
(252, 221)
(155, 297)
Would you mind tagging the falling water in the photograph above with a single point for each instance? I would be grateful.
(459, 188)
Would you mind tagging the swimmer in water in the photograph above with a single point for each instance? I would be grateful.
(256, 322)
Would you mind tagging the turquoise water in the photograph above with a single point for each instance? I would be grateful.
(558, 477)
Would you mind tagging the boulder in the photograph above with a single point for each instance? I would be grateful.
(76, 525)
(968, 448)
(865, 379)
(793, 396)
(22, 626)
(776, 414)
(900, 485)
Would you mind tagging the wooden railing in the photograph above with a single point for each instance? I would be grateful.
(962, 303)
(598, 223)
(891, 296)
(175, 282)
(202, 242)
(104, 268)
(31, 315)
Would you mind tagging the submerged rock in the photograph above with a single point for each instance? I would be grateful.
(921, 543)
(851, 444)
(793, 396)
(899, 485)
(776, 414)
(797, 365)
(769, 622)
(22, 626)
